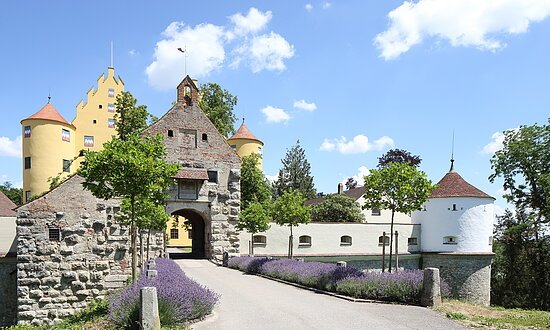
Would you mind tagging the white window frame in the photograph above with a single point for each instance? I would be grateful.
(304, 241)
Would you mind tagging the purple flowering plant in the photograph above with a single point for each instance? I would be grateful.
(180, 299)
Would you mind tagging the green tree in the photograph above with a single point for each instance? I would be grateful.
(337, 208)
(218, 104)
(289, 210)
(398, 187)
(129, 117)
(14, 194)
(398, 156)
(351, 183)
(254, 219)
(296, 173)
(254, 186)
(133, 169)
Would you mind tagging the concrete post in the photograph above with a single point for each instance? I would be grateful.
(149, 309)
(152, 273)
(341, 264)
(431, 290)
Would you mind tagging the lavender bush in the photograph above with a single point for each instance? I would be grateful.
(249, 265)
(180, 298)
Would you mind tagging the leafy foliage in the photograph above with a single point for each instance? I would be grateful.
(398, 156)
(218, 105)
(130, 118)
(337, 208)
(351, 183)
(289, 210)
(296, 173)
(254, 186)
(398, 187)
(254, 219)
(14, 194)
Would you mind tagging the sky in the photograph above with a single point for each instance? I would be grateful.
(348, 79)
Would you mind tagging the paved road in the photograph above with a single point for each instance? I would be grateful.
(252, 302)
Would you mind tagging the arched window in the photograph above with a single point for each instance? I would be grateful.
(187, 90)
(204, 137)
(450, 240)
(259, 240)
(304, 240)
(345, 240)
(384, 240)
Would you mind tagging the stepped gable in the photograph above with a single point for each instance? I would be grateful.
(6, 206)
(244, 133)
(453, 185)
(48, 112)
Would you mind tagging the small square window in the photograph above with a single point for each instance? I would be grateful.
(204, 137)
(383, 240)
(412, 241)
(454, 207)
(259, 240)
(111, 123)
(304, 240)
(212, 176)
(451, 240)
(111, 92)
(65, 135)
(345, 240)
(66, 165)
(100, 106)
(27, 196)
(88, 141)
(375, 212)
(174, 233)
(27, 131)
(170, 133)
(54, 234)
(94, 121)
(111, 107)
(27, 163)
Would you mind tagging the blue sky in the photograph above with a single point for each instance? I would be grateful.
(349, 79)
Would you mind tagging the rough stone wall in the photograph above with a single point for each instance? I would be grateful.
(468, 275)
(8, 291)
(91, 259)
(196, 143)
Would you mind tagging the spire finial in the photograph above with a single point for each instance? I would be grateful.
(453, 153)
(243, 121)
(49, 96)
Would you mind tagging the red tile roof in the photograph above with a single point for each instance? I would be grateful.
(354, 193)
(48, 112)
(244, 133)
(6, 206)
(192, 174)
(453, 185)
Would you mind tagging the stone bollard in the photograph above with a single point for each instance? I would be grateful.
(300, 259)
(341, 264)
(431, 290)
(152, 273)
(151, 264)
(149, 309)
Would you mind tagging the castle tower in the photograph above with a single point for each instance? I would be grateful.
(457, 236)
(245, 143)
(48, 149)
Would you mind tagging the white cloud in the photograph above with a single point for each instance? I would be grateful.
(275, 115)
(302, 104)
(308, 6)
(362, 172)
(359, 144)
(495, 144)
(133, 52)
(209, 47)
(327, 5)
(465, 23)
(10, 148)
(272, 178)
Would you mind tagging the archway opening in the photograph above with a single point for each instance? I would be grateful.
(193, 226)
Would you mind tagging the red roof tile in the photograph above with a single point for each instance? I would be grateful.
(354, 194)
(192, 174)
(48, 112)
(244, 133)
(453, 185)
(6, 206)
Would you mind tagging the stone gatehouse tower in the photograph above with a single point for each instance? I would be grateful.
(207, 189)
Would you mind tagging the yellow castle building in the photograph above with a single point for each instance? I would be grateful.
(51, 143)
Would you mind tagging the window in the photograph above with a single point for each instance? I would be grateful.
(88, 141)
(94, 121)
(233, 147)
(66, 165)
(170, 133)
(304, 240)
(412, 241)
(375, 212)
(204, 137)
(260, 150)
(491, 240)
(27, 163)
(454, 207)
(54, 234)
(187, 91)
(27, 131)
(111, 107)
(111, 92)
(27, 196)
(65, 135)
(259, 240)
(174, 233)
(212, 176)
(100, 106)
(187, 189)
(345, 240)
(111, 123)
(383, 240)
(449, 240)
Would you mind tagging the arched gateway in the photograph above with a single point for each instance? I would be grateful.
(207, 191)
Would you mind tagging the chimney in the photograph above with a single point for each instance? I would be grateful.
(340, 188)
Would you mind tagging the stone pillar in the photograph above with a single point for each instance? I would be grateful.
(152, 273)
(149, 309)
(341, 264)
(431, 289)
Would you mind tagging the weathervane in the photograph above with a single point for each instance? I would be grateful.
(453, 153)
(184, 51)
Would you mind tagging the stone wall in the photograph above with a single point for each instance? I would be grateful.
(8, 291)
(468, 275)
(91, 258)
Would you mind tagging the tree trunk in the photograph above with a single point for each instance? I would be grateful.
(383, 251)
(391, 238)
(290, 244)
(148, 242)
(252, 244)
(141, 248)
(134, 239)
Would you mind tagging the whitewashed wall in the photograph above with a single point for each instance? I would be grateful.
(325, 239)
(471, 224)
(385, 215)
(8, 242)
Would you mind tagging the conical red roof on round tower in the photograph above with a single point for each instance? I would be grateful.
(48, 112)
(244, 133)
(453, 185)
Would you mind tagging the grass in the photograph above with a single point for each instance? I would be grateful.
(484, 317)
